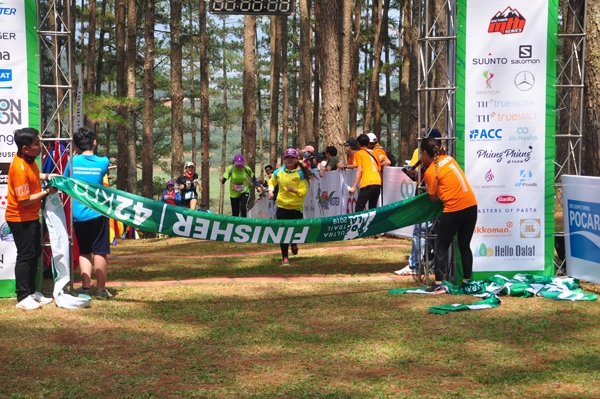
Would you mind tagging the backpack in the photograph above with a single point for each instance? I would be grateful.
(390, 156)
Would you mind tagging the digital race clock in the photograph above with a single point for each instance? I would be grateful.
(254, 7)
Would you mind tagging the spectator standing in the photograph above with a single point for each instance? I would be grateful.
(367, 175)
(331, 158)
(170, 195)
(25, 197)
(446, 181)
(292, 180)
(239, 175)
(305, 154)
(350, 148)
(187, 183)
(378, 151)
(91, 228)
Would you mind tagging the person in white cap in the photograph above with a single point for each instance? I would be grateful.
(378, 151)
(187, 184)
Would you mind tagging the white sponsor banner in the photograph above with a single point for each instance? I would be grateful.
(397, 187)
(14, 112)
(504, 137)
(581, 215)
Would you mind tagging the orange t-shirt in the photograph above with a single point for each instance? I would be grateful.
(370, 168)
(23, 180)
(379, 153)
(453, 188)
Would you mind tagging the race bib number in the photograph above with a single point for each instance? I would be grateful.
(189, 195)
(238, 188)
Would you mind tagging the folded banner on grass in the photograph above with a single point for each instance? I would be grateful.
(521, 285)
(156, 217)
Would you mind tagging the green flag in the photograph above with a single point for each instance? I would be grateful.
(153, 216)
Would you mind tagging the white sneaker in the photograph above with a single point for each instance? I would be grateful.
(28, 304)
(39, 298)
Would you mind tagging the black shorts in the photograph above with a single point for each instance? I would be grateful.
(186, 202)
(93, 236)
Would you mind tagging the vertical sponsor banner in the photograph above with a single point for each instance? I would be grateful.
(397, 186)
(582, 226)
(505, 130)
(19, 102)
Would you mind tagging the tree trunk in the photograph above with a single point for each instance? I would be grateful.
(122, 153)
(305, 106)
(91, 47)
(353, 107)
(192, 95)
(131, 53)
(204, 106)
(332, 122)
(249, 97)
(177, 161)
(285, 112)
(274, 86)
(346, 51)
(591, 163)
(408, 126)
(148, 110)
(318, 74)
(388, 85)
(373, 107)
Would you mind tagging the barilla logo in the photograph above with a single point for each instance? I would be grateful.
(507, 22)
(505, 199)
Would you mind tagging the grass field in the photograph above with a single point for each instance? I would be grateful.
(292, 339)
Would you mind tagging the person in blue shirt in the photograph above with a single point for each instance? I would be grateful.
(204, 208)
(91, 228)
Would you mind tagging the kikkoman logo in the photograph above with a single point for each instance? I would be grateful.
(507, 22)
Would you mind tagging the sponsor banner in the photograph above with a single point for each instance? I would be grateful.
(19, 100)
(505, 129)
(582, 226)
(397, 186)
(154, 216)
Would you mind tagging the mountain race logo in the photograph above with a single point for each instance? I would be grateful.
(507, 22)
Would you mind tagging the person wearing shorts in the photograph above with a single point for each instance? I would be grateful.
(91, 228)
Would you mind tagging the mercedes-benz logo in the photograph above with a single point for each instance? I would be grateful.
(524, 80)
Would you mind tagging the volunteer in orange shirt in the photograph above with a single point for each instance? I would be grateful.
(367, 174)
(25, 196)
(445, 180)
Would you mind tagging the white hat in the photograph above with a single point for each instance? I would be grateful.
(372, 137)
(189, 164)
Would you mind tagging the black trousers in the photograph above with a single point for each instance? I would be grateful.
(240, 203)
(368, 194)
(27, 237)
(461, 223)
(283, 214)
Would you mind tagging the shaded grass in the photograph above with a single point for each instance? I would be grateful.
(299, 340)
(181, 258)
(335, 339)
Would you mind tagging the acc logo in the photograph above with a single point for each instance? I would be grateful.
(530, 228)
(505, 199)
(507, 22)
(483, 134)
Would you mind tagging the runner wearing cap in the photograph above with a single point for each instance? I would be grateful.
(292, 180)
(187, 183)
(170, 195)
(239, 175)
